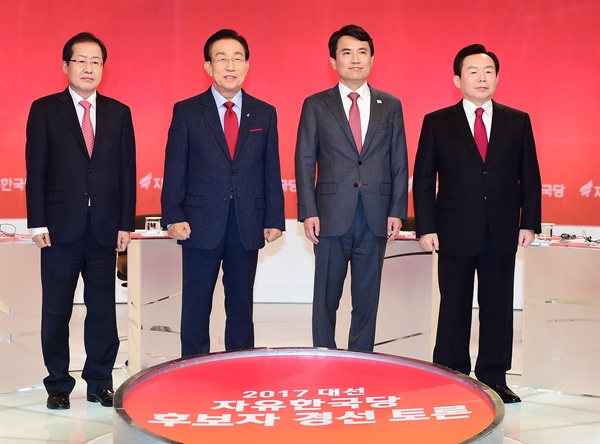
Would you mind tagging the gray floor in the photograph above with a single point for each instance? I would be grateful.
(542, 417)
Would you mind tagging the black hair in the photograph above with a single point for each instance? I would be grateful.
(352, 31)
(472, 50)
(82, 37)
(222, 35)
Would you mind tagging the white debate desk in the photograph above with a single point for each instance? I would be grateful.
(21, 362)
(154, 284)
(561, 318)
(561, 312)
(22, 365)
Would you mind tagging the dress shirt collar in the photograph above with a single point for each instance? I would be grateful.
(77, 98)
(364, 91)
(220, 100)
(470, 107)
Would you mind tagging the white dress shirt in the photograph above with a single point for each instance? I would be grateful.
(220, 100)
(363, 102)
(488, 109)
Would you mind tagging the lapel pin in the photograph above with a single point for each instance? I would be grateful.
(248, 115)
(379, 101)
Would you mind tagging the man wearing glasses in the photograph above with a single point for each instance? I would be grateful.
(80, 156)
(222, 196)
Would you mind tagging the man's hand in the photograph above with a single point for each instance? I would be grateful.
(429, 242)
(180, 231)
(526, 237)
(271, 234)
(393, 227)
(312, 228)
(42, 240)
(123, 239)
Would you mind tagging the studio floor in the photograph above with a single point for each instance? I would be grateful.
(541, 417)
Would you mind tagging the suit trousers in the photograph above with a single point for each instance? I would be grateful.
(61, 265)
(200, 272)
(365, 252)
(495, 290)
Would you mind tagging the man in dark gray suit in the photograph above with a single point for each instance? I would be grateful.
(476, 199)
(352, 183)
(222, 196)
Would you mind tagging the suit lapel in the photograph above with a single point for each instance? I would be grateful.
(246, 120)
(375, 117)
(334, 101)
(66, 109)
(499, 122)
(459, 121)
(102, 116)
(211, 114)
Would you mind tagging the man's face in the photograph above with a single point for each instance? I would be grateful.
(84, 78)
(228, 67)
(353, 61)
(478, 78)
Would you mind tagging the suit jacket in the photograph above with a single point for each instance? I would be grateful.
(325, 142)
(504, 192)
(62, 180)
(200, 175)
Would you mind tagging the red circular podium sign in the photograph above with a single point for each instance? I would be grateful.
(304, 396)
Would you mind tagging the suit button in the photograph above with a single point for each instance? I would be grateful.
(355, 185)
(85, 193)
(484, 198)
(485, 173)
(90, 171)
(360, 162)
(234, 173)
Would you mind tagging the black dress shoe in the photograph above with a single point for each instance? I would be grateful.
(58, 401)
(104, 397)
(507, 395)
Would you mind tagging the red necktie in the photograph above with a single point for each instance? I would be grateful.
(86, 127)
(480, 133)
(354, 118)
(230, 124)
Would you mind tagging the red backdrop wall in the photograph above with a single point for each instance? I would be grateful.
(549, 53)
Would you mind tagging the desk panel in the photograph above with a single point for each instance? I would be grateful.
(561, 319)
(404, 316)
(154, 279)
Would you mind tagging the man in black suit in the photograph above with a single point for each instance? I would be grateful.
(80, 157)
(487, 203)
(222, 196)
(360, 196)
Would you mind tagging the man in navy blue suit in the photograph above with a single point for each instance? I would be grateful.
(80, 156)
(222, 196)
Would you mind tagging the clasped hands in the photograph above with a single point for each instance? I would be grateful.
(182, 231)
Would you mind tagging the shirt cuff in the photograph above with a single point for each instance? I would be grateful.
(39, 230)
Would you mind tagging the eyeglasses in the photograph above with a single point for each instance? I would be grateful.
(82, 63)
(222, 61)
